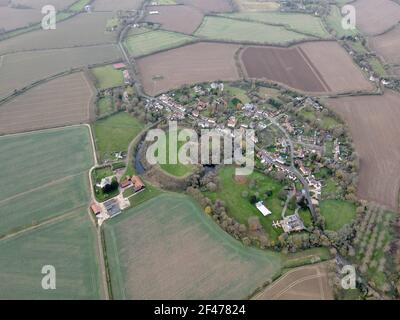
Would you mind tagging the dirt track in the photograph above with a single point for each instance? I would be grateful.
(374, 125)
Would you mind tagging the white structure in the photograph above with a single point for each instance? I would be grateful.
(263, 209)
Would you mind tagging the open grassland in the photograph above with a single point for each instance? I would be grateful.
(11, 18)
(153, 41)
(115, 133)
(220, 28)
(105, 106)
(337, 213)
(68, 245)
(373, 122)
(185, 19)
(239, 207)
(256, 6)
(200, 62)
(81, 30)
(124, 5)
(306, 67)
(334, 22)
(21, 69)
(60, 102)
(208, 6)
(31, 161)
(376, 16)
(199, 261)
(107, 77)
(303, 23)
(31, 208)
(304, 283)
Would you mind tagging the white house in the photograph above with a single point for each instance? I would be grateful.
(263, 209)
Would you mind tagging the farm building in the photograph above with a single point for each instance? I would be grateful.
(292, 223)
(95, 209)
(119, 66)
(112, 208)
(263, 209)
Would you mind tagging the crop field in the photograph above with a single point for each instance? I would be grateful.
(153, 41)
(337, 213)
(220, 28)
(180, 18)
(306, 67)
(373, 122)
(388, 45)
(68, 245)
(39, 4)
(254, 5)
(200, 62)
(198, 260)
(124, 5)
(304, 283)
(11, 18)
(115, 133)
(107, 77)
(63, 101)
(45, 157)
(69, 33)
(208, 6)
(376, 16)
(57, 198)
(21, 69)
(303, 23)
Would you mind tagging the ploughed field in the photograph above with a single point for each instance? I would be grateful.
(208, 6)
(374, 125)
(307, 67)
(124, 5)
(63, 101)
(185, 19)
(198, 260)
(195, 63)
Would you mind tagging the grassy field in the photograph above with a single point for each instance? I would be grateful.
(240, 207)
(105, 106)
(199, 260)
(107, 77)
(115, 133)
(153, 41)
(68, 245)
(324, 121)
(337, 213)
(377, 66)
(237, 93)
(334, 21)
(305, 257)
(303, 23)
(79, 5)
(31, 160)
(220, 28)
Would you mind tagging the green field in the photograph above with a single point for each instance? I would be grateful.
(324, 121)
(377, 66)
(36, 206)
(153, 41)
(334, 21)
(105, 106)
(298, 22)
(79, 5)
(115, 133)
(219, 28)
(107, 77)
(68, 245)
(199, 260)
(337, 213)
(237, 93)
(240, 207)
(31, 160)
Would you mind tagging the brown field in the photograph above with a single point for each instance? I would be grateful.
(388, 45)
(185, 19)
(21, 69)
(38, 4)
(304, 283)
(209, 5)
(200, 62)
(376, 16)
(307, 67)
(115, 5)
(374, 125)
(68, 34)
(11, 19)
(63, 101)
